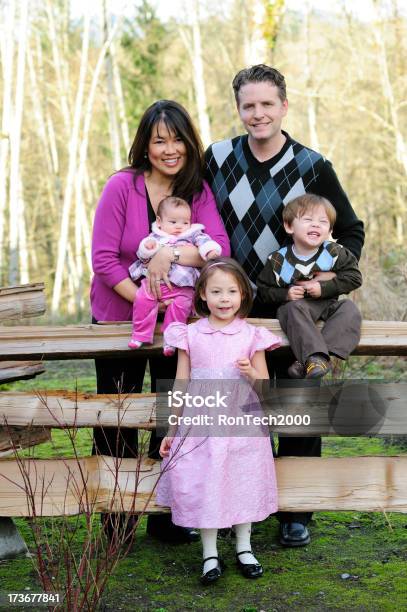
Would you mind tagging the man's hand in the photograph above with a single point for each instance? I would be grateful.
(296, 292)
(324, 276)
(318, 276)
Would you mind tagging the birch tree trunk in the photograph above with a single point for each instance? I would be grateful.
(124, 126)
(309, 84)
(22, 237)
(72, 169)
(194, 49)
(261, 24)
(393, 117)
(7, 59)
(62, 85)
(111, 97)
(400, 144)
(79, 171)
(257, 50)
(15, 146)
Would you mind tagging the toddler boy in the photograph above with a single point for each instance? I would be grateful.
(290, 278)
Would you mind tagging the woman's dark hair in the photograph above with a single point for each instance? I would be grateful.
(230, 266)
(188, 182)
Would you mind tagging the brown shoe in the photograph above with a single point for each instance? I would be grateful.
(296, 370)
(317, 366)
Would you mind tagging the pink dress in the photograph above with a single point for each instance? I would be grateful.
(217, 476)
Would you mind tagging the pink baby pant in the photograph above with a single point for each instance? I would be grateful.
(145, 309)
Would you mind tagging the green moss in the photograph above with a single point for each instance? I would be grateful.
(370, 547)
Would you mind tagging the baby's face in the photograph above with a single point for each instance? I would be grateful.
(310, 230)
(175, 220)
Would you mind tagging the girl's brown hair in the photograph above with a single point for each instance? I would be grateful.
(230, 266)
(188, 182)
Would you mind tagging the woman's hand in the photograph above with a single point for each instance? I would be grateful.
(158, 269)
(165, 446)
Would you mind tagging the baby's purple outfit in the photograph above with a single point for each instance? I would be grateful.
(183, 279)
(182, 276)
(211, 480)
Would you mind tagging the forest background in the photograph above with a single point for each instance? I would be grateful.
(74, 83)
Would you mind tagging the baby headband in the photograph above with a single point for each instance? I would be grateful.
(216, 263)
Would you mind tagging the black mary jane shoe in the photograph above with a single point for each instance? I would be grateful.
(249, 570)
(214, 574)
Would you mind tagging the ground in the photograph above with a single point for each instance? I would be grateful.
(356, 561)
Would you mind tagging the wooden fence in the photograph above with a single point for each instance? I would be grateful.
(68, 486)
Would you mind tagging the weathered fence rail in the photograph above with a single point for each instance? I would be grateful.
(17, 302)
(22, 301)
(11, 371)
(89, 341)
(383, 410)
(100, 484)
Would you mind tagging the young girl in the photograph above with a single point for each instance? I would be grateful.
(214, 481)
(172, 228)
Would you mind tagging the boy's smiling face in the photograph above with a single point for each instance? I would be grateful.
(310, 230)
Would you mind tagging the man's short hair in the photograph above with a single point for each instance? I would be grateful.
(299, 206)
(259, 74)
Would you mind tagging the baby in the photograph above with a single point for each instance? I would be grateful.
(290, 278)
(172, 228)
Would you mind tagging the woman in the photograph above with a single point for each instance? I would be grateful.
(166, 158)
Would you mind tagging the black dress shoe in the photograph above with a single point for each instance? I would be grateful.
(249, 570)
(294, 534)
(191, 535)
(214, 574)
(161, 527)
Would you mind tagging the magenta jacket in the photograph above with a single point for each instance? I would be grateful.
(121, 222)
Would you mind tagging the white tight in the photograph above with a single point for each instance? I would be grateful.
(209, 545)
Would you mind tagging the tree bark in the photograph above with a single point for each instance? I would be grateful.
(7, 56)
(72, 170)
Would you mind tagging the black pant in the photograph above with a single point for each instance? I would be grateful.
(127, 375)
(288, 446)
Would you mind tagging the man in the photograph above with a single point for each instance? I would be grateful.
(253, 176)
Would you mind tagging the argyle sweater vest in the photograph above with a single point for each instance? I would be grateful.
(251, 195)
(288, 268)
